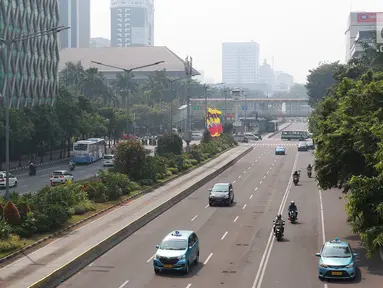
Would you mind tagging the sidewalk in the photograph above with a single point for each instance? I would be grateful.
(37, 265)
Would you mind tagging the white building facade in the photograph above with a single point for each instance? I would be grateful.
(132, 23)
(240, 62)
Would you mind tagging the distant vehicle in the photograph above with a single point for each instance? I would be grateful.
(196, 136)
(108, 160)
(240, 138)
(177, 252)
(88, 151)
(12, 180)
(61, 177)
(294, 135)
(221, 193)
(272, 126)
(310, 144)
(280, 150)
(252, 136)
(336, 260)
(302, 146)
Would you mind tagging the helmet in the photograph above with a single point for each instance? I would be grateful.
(292, 202)
(279, 216)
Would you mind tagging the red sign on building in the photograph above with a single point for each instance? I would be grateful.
(369, 17)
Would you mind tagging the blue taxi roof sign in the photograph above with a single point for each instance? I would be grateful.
(177, 233)
(336, 240)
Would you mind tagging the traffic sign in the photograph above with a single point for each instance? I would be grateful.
(244, 107)
(195, 107)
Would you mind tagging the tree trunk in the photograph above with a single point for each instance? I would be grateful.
(62, 148)
(69, 142)
(51, 149)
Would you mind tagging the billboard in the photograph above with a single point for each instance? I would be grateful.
(213, 122)
(368, 17)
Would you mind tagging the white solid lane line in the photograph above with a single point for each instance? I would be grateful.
(244, 206)
(224, 235)
(236, 218)
(124, 284)
(208, 258)
(195, 217)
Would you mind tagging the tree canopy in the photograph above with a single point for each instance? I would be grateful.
(347, 128)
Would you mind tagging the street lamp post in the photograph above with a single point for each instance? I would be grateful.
(9, 44)
(127, 73)
(172, 99)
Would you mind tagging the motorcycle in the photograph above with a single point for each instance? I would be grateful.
(292, 216)
(278, 232)
(309, 174)
(296, 180)
(72, 167)
(32, 172)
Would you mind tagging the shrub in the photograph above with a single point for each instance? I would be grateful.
(169, 143)
(5, 230)
(96, 192)
(28, 226)
(116, 184)
(11, 214)
(1, 211)
(149, 171)
(130, 159)
(134, 186)
(173, 170)
(194, 162)
(196, 155)
(13, 243)
(83, 207)
(146, 182)
(23, 209)
(169, 173)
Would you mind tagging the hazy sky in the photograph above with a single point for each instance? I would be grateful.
(298, 33)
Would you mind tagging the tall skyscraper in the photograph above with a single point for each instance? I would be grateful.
(132, 23)
(32, 74)
(240, 62)
(360, 22)
(75, 14)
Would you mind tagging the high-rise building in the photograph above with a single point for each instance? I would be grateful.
(34, 62)
(358, 22)
(99, 42)
(132, 23)
(75, 14)
(240, 62)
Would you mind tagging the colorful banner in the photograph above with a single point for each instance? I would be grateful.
(213, 122)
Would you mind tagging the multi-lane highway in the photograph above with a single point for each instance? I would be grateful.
(236, 245)
(28, 183)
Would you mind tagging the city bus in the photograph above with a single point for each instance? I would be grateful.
(88, 151)
(294, 135)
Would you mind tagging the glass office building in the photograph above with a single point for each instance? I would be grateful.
(32, 75)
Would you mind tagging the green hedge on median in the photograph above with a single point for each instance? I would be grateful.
(50, 208)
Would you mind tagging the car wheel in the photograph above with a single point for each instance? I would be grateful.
(210, 204)
(320, 278)
(15, 185)
(232, 201)
(156, 271)
(196, 259)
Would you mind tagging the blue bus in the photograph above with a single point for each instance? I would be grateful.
(88, 151)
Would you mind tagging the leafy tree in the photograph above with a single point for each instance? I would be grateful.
(297, 91)
(320, 80)
(169, 143)
(130, 158)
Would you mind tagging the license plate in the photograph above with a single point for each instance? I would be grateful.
(336, 273)
(168, 266)
(56, 177)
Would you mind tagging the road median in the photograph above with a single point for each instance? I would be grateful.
(76, 264)
(276, 132)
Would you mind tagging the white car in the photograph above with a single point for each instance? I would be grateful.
(12, 180)
(197, 136)
(61, 177)
(108, 160)
(252, 136)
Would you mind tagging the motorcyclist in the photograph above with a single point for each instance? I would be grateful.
(294, 208)
(279, 221)
(71, 164)
(296, 175)
(309, 168)
(32, 167)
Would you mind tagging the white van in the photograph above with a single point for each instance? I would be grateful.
(108, 160)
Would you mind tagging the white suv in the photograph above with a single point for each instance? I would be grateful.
(61, 177)
(12, 180)
(108, 160)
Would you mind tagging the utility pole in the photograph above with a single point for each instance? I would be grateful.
(189, 73)
(245, 113)
(225, 93)
(206, 107)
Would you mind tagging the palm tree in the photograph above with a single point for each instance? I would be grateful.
(93, 84)
(125, 86)
(157, 87)
(72, 74)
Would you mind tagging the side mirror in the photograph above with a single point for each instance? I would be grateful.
(157, 246)
(190, 247)
(317, 254)
(210, 190)
(355, 254)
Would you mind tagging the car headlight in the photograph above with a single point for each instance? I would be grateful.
(211, 196)
(226, 196)
(181, 257)
(157, 256)
(350, 265)
(323, 265)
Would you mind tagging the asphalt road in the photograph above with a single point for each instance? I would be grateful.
(236, 248)
(28, 183)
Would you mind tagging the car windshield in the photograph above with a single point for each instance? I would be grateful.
(174, 244)
(81, 147)
(220, 188)
(108, 157)
(336, 252)
(57, 173)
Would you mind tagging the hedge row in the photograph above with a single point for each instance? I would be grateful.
(50, 208)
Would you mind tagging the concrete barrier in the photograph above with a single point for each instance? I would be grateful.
(72, 267)
(275, 133)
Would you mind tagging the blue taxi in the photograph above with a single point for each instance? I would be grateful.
(280, 150)
(177, 252)
(336, 260)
